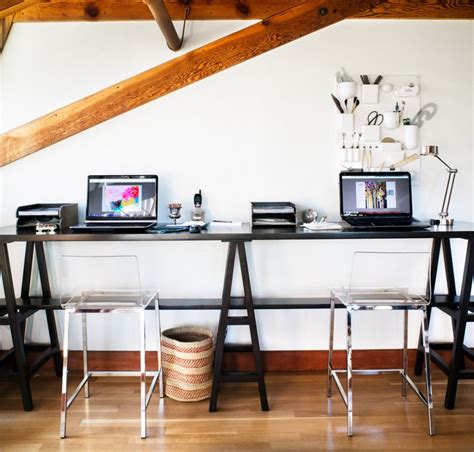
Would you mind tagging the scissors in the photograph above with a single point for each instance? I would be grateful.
(374, 117)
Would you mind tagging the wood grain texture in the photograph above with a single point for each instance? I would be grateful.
(106, 10)
(301, 417)
(182, 71)
(426, 9)
(7, 4)
(10, 7)
(5, 28)
(79, 10)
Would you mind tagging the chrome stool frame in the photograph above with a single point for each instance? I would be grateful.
(366, 271)
(145, 397)
(370, 300)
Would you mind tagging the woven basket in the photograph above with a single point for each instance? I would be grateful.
(187, 358)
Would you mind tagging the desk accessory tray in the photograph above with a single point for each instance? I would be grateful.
(273, 214)
(61, 215)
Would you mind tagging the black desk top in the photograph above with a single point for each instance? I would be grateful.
(461, 230)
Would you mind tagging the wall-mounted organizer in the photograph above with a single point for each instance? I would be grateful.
(371, 134)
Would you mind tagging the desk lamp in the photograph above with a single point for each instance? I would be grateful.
(445, 219)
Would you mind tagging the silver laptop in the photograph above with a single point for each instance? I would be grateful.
(118, 203)
(377, 200)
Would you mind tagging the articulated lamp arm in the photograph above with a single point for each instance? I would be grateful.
(445, 219)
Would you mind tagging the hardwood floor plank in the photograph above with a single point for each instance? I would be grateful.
(301, 418)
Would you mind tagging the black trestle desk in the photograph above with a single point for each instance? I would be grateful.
(14, 311)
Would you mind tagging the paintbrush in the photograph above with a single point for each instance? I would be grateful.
(338, 104)
(355, 104)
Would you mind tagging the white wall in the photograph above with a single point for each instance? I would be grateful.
(263, 130)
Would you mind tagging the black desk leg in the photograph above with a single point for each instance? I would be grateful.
(253, 326)
(221, 329)
(457, 354)
(451, 283)
(27, 267)
(435, 251)
(226, 320)
(448, 265)
(25, 286)
(15, 328)
(26, 280)
(46, 289)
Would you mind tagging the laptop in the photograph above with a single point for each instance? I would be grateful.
(377, 200)
(120, 203)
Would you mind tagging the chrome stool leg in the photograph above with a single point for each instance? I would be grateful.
(349, 371)
(429, 389)
(405, 352)
(331, 345)
(158, 347)
(142, 376)
(62, 428)
(84, 354)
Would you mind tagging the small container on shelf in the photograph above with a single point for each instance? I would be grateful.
(370, 94)
(346, 122)
(391, 120)
(391, 147)
(370, 134)
(346, 90)
(410, 137)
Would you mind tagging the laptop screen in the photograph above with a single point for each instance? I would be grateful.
(368, 194)
(122, 198)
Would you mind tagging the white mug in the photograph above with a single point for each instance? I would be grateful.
(410, 137)
(391, 120)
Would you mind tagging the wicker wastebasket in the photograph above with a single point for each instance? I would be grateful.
(187, 358)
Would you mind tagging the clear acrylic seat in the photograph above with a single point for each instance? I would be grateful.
(106, 284)
(384, 281)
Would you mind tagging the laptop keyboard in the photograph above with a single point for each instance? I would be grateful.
(117, 224)
(380, 221)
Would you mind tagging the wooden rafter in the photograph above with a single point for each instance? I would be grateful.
(5, 27)
(9, 7)
(184, 70)
(424, 9)
(87, 10)
(78, 10)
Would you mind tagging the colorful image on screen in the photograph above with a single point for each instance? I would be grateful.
(375, 194)
(122, 198)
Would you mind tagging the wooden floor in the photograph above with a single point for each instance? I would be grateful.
(301, 418)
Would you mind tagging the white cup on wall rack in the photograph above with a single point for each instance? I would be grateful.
(346, 90)
(410, 137)
(346, 122)
(370, 94)
(391, 120)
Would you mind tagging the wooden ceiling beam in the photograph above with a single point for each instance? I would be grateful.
(109, 10)
(9, 7)
(175, 74)
(5, 27)
(423, 9)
